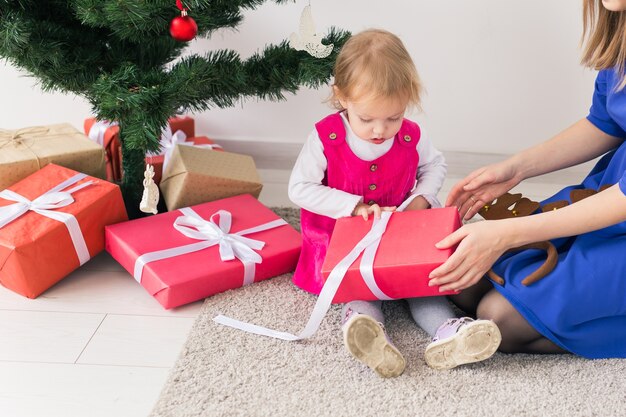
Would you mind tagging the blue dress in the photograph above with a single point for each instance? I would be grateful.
(581, 304)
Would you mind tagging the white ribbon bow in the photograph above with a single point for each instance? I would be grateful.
(209, 233)
(44, 205)
(368, 245)
(232, 245)
(98, 129)
(167, 144)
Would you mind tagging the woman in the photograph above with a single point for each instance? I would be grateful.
(580, 307)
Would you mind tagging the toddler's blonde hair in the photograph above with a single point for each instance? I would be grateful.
(605, 34)
(375, 64)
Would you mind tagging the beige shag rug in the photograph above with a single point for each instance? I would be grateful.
(225, 372)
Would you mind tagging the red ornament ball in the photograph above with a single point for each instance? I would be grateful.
(183, 28)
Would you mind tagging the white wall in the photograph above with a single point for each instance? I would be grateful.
(500, 74)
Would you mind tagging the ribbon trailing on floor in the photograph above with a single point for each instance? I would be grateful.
(368, 245)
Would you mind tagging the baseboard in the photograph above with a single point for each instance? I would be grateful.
(267, 155)
(282, 156)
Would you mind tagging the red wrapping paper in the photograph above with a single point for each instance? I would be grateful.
(35, 251)
(112, 150)
(113, 146)
(404, 259)
(186, 278)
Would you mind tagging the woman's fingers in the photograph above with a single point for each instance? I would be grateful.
(462, 276)
(474, 204)
(451, 240)
(455, 194)
(453, 279)
(447, 271)
(462, 267)
(469, 278)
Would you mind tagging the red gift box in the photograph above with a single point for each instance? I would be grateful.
(184, 123)
(37, 251)
(184, 278)
(404, 259)
(110, 140)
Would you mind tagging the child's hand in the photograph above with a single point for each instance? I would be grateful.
(364, 210)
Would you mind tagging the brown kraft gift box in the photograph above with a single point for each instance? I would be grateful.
(24, 151)
(195, 175)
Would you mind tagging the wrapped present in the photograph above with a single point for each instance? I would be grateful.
(26, 150)
(186, 255)
(185, 124)
(51, 223)
(399, 266)
(106, 134)
(382, 259)
(159, 162)
(195, 175)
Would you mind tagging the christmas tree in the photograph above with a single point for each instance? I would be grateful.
(120, 56)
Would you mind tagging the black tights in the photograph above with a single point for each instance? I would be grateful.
(518, 336)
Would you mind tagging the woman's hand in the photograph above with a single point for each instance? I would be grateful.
(364, 210)
(482, 187)
(480, 244)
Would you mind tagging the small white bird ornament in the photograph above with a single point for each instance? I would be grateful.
(307, 39)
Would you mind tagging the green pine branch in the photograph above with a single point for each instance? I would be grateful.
(118, 54)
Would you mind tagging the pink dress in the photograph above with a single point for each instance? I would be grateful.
(386, 181)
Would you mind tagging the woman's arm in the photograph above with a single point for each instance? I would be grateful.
(481, 244)
(601, 210)
(579, 143)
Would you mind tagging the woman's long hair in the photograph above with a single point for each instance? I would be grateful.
(604, 39)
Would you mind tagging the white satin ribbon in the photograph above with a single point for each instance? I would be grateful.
(368, 246)
(167, 144)
(98, 129)
(326, 295)
(204, 145)
(209, 233)
(168, 153)
(44, 205)
(366, 267)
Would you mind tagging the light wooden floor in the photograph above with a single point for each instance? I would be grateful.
(97, 344)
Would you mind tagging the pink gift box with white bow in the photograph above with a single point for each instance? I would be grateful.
(191, 253)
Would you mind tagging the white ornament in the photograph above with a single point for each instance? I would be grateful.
(150, 197)
(307, 39)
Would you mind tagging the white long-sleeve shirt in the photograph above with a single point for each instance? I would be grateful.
(307, 191)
